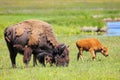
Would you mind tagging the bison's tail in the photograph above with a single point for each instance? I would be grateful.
(6, 35)
(77, 44)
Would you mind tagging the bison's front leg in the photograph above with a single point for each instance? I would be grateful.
(34, 60)
(27, 55)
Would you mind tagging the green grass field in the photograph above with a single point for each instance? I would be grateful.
(66, 16)
(103, 68)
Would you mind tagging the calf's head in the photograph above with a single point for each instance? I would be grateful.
(104, 51)
(44, 57)
(62, 55)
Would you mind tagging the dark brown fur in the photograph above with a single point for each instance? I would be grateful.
(33, 37)
(42, 28)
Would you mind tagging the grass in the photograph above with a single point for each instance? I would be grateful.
(71, 14)
(66, 16)
(101, 69)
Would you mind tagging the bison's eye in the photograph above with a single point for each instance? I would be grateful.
(103, 51)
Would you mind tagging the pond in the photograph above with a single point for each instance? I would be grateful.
(113, 28)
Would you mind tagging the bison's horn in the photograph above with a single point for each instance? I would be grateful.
(61, 48)
(7, 39)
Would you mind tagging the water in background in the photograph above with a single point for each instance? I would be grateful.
(113, 28)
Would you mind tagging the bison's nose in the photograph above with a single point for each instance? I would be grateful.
(106, 55)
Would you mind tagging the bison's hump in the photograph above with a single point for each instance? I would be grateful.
(37, 28)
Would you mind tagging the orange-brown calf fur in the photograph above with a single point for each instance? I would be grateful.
(92, 45)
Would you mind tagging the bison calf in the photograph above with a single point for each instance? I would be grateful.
(92, 45)
(44, 57)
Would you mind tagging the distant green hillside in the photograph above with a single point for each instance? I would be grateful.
(67, 16)
(41, 6)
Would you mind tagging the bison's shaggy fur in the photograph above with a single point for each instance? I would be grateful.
(32, 36)
(42, 28)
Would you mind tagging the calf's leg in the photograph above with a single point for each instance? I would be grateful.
(93, 54)
(80, 54)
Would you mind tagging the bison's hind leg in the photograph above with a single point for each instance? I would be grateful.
(80, 54)
(13, 54)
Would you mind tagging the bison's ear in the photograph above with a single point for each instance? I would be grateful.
(104, 48)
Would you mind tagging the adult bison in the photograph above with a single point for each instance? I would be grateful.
(34, 37)
(92, 45)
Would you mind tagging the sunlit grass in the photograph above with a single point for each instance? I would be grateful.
(100, 69)
(66, 17)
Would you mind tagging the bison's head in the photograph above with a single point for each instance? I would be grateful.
(62, 55)
(104, 51)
